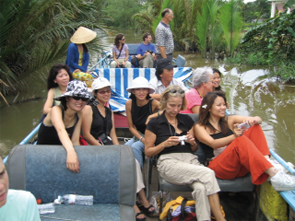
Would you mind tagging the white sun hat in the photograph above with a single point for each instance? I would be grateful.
(83, 35)
(99, 83)
(140, 82)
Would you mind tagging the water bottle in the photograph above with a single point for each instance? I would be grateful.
(46, 208)
(77, 199)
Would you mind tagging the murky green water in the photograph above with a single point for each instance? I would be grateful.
(247, 92)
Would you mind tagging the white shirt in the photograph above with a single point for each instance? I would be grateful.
(160, 88)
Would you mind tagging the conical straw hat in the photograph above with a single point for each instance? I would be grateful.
(83, 35)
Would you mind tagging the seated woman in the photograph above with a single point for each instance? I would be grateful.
(202, 84)
(62, 124)
(98, 120)
(244, 150)
(120, 53)
(216, 79)
(176, 163)
(77, 54)
(57, 82)
(15, 204)
(98, 129)
(138, 108)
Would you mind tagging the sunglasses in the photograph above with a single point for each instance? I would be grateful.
(105, 91)
(123, 39)
(173, 91)
(82, 98)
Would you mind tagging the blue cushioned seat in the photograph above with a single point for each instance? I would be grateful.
(41, 169)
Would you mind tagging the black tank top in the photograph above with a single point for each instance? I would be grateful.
(48, 134)
(209, 150)
(140, 114)
(100, 124)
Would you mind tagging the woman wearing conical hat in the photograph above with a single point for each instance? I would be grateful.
(77, 55)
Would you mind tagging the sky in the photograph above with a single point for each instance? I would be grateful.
(246, 1)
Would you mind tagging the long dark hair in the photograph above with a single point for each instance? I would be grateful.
(53, 72)
(219, 73)
(117, 39)
(204, 114)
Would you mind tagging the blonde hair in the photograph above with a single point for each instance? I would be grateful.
(167, 94)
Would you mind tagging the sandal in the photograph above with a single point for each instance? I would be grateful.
(147, 211)
(139, 219)
(139, 205)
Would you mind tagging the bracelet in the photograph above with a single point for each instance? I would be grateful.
(140, 138)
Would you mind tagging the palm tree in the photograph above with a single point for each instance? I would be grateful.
(232, 24)
(35, 34)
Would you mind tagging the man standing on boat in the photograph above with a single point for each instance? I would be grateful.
(164, 36)
(146, 52)
(164, 78)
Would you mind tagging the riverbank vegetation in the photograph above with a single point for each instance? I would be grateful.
(35, 34)
(271, 43)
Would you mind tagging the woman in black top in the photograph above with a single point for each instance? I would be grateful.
(176, 163)
(138, 108)
(98, 121)
(62, 124)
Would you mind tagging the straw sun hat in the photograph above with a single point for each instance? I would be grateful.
(83, 35)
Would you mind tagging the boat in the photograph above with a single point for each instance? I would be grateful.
(261, 204)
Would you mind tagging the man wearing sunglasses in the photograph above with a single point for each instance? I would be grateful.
(164, 78)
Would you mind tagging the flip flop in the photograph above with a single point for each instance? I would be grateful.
(139, 219)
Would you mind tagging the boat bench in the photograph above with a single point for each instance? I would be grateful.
(106, 173)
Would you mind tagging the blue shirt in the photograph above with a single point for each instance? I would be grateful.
(141, 49)
(20, 206)
(73, 59)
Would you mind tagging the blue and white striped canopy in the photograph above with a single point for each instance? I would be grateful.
(121, 78)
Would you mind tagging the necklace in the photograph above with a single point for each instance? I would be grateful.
(199, 94)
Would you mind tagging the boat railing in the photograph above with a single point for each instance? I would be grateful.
(26, 139)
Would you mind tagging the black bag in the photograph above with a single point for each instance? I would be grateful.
(135, 62)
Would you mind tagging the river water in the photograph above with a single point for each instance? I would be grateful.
(248, 90)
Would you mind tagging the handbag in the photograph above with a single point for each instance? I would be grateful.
(135, 62)
(184, 216)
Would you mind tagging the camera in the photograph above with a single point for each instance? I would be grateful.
(182, 139)
(243, 126)
(150, 51)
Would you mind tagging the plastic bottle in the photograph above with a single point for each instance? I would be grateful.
(77, 199)
(46, 208)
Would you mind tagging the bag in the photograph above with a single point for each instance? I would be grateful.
(155, 200)
(184, 216)
(105, 140)
(135, 62)
(82, 141)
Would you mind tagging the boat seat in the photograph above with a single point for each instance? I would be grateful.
(180, 61)
(133, 49)
(41, 169)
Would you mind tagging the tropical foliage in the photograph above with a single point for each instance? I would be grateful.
(198, 25)
(35, 34)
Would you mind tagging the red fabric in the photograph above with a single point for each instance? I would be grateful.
(245, 154)
(82, 141)
(188, 217)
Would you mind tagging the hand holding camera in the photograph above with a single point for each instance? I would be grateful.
(149, 51)
(182, 139)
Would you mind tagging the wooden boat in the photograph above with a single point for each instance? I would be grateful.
(262, 204)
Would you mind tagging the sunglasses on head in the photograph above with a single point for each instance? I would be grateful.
(82, 98)
(173, 91)
(105, 91)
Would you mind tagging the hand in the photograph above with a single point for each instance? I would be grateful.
(123, 63)
(190, 139)
(77, 70)
(238, 131)
(118, 64)
(143, 140)
(251, 121)
(171, 141)
(73, 161)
